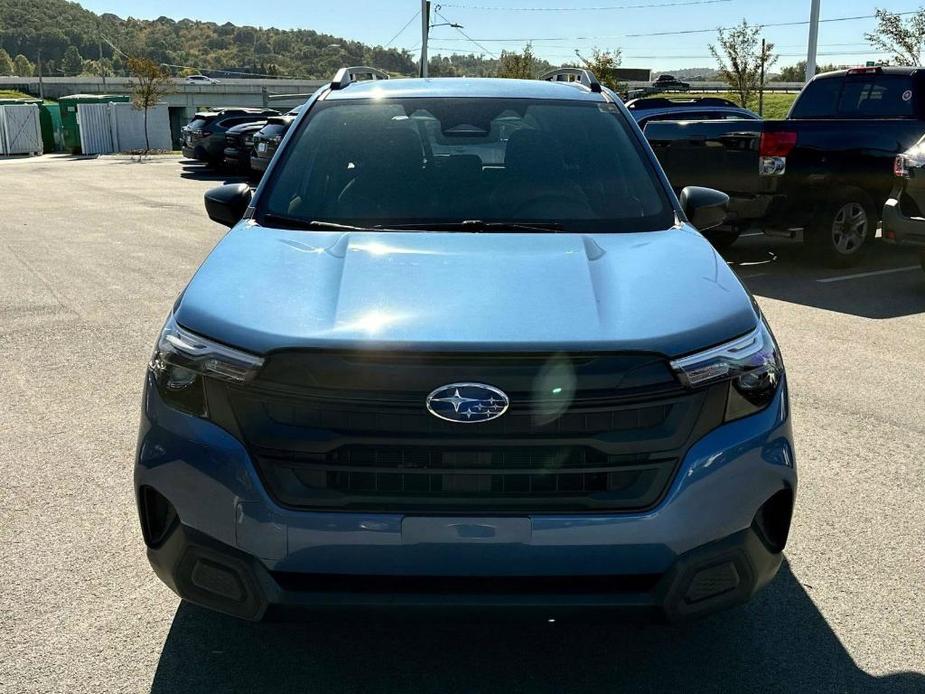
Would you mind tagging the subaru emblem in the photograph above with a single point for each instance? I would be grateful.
(467, 403)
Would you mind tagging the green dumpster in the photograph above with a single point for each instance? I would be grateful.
(70, 128)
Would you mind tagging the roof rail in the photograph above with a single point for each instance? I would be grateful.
(348, 75)
(573, 74)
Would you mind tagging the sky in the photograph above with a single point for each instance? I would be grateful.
(556, 27)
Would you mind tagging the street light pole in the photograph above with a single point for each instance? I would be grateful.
(813, 40)
(425, 34)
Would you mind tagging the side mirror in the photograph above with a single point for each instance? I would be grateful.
(705, 208)
(226, 204)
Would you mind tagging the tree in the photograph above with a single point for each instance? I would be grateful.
(518, 66)
(797, 73)
(904, 39)
(150, 84)
(22, 66)
(740, 59)
(6, 65)
(71, 62)
(603, 65)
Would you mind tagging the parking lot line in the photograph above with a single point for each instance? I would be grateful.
(860, 275)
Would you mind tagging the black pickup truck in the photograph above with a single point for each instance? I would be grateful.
(825, 171)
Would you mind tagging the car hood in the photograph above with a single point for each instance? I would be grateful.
(264, 289)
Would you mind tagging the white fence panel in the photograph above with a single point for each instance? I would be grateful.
(95, 129)
(128, 127)
(20, 131)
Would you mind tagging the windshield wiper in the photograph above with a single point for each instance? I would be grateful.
(480, 225)
(464, 225)
(295, 223)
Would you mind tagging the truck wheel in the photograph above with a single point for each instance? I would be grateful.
(843, 229)
(722, 239)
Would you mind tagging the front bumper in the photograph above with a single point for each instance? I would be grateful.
(259, 163)
(712, 577)
(235, 157)
(235, 550)
(900, 229)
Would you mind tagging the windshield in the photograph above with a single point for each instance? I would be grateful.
(442, 161)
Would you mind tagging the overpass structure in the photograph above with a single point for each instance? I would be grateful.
(233, 92)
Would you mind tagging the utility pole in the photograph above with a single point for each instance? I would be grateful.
(102, 67)
(425, 34)
(813, 40)
(41, 85)
(764, 53)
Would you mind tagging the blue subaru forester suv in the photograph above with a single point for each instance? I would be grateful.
(465, 348)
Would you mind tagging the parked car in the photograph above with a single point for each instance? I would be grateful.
(203, 138)
(201, 79)
(648, 110)
(670, 83)
(239, 144)
(267, 139)
(903, 218)
(825, 171)
(529, 384)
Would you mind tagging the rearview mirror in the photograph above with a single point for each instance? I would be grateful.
(226, 204)
(705, 208)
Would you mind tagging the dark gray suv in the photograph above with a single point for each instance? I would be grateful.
(203, 138)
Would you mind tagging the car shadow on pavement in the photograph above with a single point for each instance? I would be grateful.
(198, 171)
(887, 283)
(780, 642)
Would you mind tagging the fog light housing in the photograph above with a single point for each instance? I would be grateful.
(158, 516)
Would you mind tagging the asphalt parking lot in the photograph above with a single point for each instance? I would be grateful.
(92, 254)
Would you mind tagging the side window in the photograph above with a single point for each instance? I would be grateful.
(877, 96)
(818, 100)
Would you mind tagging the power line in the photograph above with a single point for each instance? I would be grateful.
(458, 29)
(598, 8)
(534, 39)
(764, 26)
(402, 30)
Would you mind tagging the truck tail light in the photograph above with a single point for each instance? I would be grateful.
(777, 144)
(773, 149)
(910, 163)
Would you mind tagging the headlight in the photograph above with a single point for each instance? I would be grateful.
(181, 359)
(751, 364)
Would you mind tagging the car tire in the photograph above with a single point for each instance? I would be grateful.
(722, 239)
(843, 228)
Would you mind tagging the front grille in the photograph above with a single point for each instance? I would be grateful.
(232, 140)
(347, 431)
(407, 479)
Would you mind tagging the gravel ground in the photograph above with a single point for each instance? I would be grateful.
(93, 252)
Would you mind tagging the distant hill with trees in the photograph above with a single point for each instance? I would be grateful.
(73, 41)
